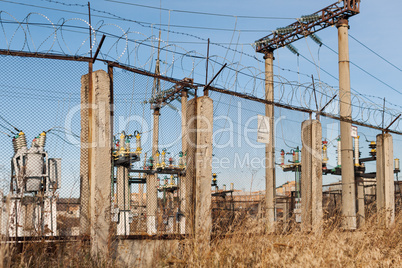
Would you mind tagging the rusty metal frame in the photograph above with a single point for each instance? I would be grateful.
(327, 17)
(166, 98)
(299, 109)
(43, 55)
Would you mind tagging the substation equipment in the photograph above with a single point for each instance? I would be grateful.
(35, 180)
(127, 209)
(162, 213)
(362, 178)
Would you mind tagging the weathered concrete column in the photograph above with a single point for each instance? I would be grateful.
(199, 168)
(311, 176)
(361, 215)
(184, 183)
(385, 180)
(345, 111)
(152, 194)
(270, 183)
(101, 166)
(123, 201)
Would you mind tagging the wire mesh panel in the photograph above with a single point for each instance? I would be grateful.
(238, 179)
(40, 141)
(146, 189)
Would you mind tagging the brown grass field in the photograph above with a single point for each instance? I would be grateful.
(370, 246)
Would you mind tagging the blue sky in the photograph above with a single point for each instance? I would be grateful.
(375, 27)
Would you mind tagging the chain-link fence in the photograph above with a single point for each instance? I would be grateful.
(42, 180)
(147, 193)
(40, 138)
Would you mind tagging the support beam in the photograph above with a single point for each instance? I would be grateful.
(385, 180)
(270, 183)
(199, 168)
(345, 110)
(311, 176)
(152, 194)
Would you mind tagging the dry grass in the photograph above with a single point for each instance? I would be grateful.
(369, 247)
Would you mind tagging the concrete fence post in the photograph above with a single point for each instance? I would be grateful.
(385, 180)
(311, 176)
(99, 212)
(199, 165)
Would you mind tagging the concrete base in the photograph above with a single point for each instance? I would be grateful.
(123, 226)
(142, 253)
(151, 225)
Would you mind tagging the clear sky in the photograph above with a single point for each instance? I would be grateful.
(232, 27)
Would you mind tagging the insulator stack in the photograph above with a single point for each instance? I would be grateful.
(310, 18)
(284, 30)
(151, 163)
(41, 140)
(339, 152)
(138, 142)
(316, 39)
(214, 182)
(373, 147)
(296, 158)
(127, 145)
(282, 157)
(171, 180)
(122, 141)
(397, 164)
(324, 151)
(181, 161)
(357, 151)
(157, 159)
(163, 158)
(15, 145)
(293, 49)
(21, 140)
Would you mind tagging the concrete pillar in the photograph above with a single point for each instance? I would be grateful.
(385, 180)
(270, 183)
(184, 183)
(361, 215)
(199, 167)
(311, 176)
(100, 164)
(152, 194)
(123, 201)
(345, 111)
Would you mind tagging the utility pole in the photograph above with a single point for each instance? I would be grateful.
(152, 194)
(345, 111)
(270, 147)
(337, 13)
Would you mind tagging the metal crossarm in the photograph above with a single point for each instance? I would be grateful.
(307, 25)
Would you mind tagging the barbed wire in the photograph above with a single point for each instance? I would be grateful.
(140, 50)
